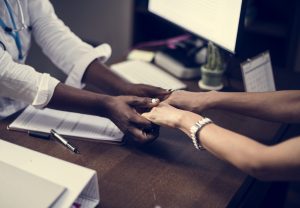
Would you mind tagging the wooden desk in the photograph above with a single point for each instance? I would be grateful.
(168, 173)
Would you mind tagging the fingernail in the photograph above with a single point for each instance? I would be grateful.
(154, 100)
(171, 90)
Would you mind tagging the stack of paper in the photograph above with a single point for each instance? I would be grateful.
(32, 179)
(67, 123)
(20, 188)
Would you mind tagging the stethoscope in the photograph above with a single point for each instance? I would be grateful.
(14, 32)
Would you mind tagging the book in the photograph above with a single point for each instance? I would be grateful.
(176, 67)
(68, 124)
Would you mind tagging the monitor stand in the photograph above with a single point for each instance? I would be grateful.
(184, 60)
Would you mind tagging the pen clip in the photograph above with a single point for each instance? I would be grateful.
(63, 141)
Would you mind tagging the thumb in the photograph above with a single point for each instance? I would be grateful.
(156, 91)
(146, 115)
(151, 116)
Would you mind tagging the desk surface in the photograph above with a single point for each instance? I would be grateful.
(166, 173)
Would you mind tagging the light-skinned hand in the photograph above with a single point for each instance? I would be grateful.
(190, 101)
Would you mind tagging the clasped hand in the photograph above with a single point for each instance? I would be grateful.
(179, 105)
(125, 111)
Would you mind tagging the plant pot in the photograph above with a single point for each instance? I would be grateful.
(211, 79)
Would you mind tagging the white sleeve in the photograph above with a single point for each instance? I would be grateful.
(63, 47)
(21, 82)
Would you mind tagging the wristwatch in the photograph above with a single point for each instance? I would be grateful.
(194, 131)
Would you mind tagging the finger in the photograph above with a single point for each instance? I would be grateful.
(169, 95)
(142, 102)
(153, 90)
(171, 98)
(158, 92)
(141, 136)
(154, 130)
(161, 91)
(154, 103)
(140, 121)
(151, 116)
(147, 116)
(164, 95)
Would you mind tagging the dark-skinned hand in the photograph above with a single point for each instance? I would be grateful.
(142, 90)
(123, 111)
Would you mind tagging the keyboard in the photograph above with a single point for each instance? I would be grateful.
(140, 72)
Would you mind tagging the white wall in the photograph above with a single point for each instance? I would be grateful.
(93, 20)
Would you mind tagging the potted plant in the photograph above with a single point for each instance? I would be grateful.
(212, 71)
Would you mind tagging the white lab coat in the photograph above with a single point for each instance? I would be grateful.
(20, 84)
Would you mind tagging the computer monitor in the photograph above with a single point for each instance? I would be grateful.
(217, 21)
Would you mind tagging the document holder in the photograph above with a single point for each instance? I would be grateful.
(80, 183)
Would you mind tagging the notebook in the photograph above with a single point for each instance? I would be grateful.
(68, 124)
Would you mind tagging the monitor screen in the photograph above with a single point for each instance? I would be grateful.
(214, 20)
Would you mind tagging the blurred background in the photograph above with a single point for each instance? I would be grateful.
(272, 25)
(94, 21)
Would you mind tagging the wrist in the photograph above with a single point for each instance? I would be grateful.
(186, 120)
(195, 132)
(212, 99)
(100, 76)
(103, 105)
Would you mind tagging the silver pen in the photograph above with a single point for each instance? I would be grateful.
(62, 140)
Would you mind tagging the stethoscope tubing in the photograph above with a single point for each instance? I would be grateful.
(14, 32)
(2, 45)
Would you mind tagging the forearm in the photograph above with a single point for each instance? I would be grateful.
(261, 161)
(278, 162)
(283, 161)
(99, 75)
(72, 99)
(283, 106)
(242, 152)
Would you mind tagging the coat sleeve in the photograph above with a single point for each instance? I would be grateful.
(67, 51)
(21, 82)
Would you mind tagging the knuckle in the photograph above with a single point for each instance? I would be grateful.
(145, 101)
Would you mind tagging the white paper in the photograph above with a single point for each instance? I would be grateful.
(258, 74)
(74, 177)
(141, 55)
(67, 123)
(140, 72)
